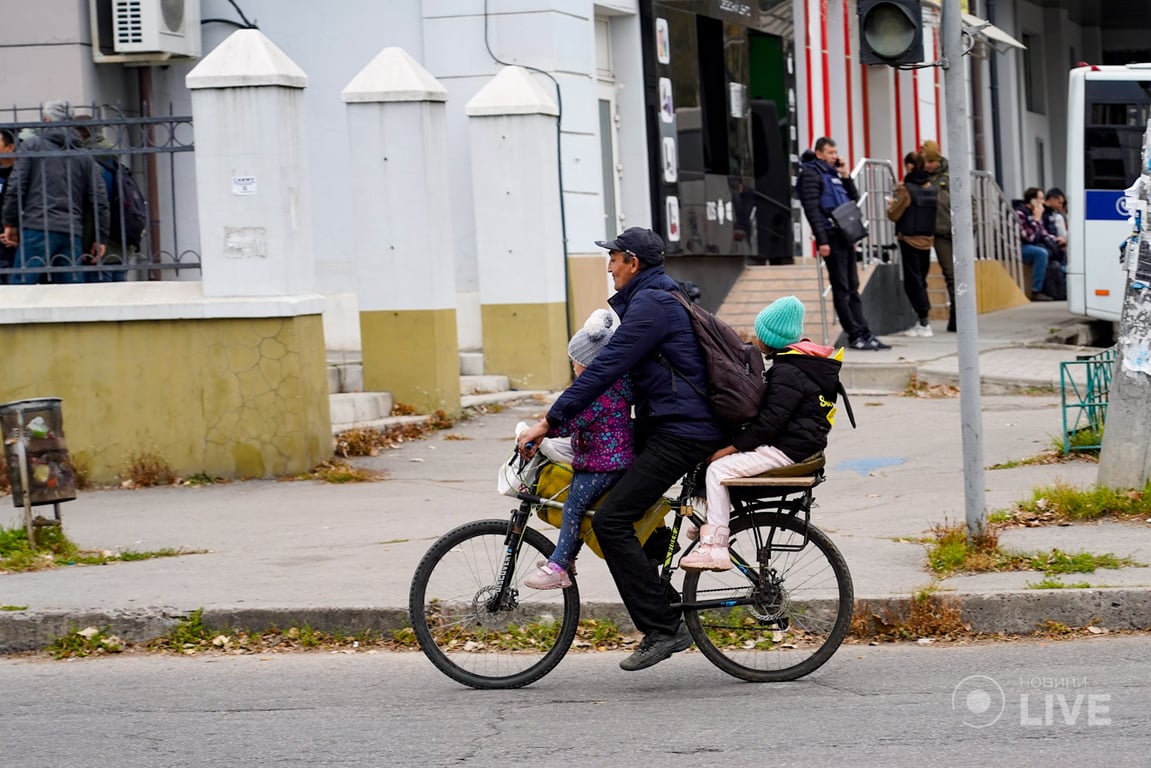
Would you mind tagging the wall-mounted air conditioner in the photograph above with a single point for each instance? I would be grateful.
(166, 28)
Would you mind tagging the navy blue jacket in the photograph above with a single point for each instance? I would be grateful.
(652, 322)
(821, 190)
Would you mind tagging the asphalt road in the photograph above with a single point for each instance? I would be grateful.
(1028, 703)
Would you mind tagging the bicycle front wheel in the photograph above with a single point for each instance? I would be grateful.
(801, 601)
(477, 631)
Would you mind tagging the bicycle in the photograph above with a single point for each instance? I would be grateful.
(778, 615)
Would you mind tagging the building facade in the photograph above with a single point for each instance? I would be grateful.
(684, 115)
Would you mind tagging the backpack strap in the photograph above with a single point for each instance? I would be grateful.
(846, 402)
(681, 296)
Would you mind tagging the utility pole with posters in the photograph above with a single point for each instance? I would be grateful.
(1125, 458)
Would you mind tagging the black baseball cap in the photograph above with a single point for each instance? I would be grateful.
(642, 243)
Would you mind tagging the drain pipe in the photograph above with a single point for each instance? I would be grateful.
(993, 72)
(144, 78)
(559, 165)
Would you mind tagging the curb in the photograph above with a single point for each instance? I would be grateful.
(1014, 613)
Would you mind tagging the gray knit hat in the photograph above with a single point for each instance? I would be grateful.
(56, 110)
(593, 337)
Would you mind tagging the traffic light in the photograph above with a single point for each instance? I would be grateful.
(890, 31)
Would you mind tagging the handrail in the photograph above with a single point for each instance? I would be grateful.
(996, 231)
(876, 182)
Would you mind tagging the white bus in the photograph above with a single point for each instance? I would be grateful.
(1107, 115)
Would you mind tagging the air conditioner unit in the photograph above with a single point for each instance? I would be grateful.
(167, 27)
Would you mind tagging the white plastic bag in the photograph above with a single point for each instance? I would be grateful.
(517, 474)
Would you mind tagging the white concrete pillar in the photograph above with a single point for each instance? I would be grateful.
(519, 245)
(403, 231)
(251, 169)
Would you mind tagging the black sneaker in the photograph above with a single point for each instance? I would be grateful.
(1041, 297)
(870, 343)
(877, 345)
(655, 647)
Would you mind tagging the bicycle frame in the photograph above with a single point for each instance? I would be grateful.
(790, 500)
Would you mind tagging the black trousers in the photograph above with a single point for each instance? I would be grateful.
(843, 274)
(660, 462)
(916, 262)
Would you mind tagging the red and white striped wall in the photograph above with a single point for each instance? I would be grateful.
(871, 111)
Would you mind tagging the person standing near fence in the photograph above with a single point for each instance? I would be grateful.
(7, 160)
(912, 208)
(824, 184)
(936, 166)
(48, 199)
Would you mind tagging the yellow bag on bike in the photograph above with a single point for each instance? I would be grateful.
(553, 482)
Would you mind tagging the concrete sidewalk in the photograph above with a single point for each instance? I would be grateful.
(341, 557)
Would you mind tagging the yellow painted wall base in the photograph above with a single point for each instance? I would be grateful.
(528, 343)
(229, 397)
(994, 288)
(414, 355)
(588, 283)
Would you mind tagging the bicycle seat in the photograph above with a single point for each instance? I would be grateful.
(802, 474)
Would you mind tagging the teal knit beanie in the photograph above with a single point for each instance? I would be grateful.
(780, 323)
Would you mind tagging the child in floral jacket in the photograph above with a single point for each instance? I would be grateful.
(601, 445)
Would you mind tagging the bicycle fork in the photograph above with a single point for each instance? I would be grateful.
(505, 595)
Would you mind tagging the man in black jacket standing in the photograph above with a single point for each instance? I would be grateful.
(675, 428)
(7, 160)
(48, 198)
(824, 184)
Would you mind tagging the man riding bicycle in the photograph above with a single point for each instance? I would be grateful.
(674, 430)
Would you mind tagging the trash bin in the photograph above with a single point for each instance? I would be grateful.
(34, 430)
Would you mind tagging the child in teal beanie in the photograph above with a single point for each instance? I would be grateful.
(794, 420)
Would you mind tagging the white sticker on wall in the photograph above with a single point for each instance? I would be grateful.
(243, 185)
(672, 219)
(662, 42)
(670, 160)
(666, 107)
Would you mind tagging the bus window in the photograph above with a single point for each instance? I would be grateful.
(1115, 119)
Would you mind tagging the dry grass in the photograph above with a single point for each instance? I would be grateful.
(368, 441)
(339, 472)
(927, 614)
(921, 389)
(146, 470)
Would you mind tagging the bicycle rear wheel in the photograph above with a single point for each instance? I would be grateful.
(472, 632)
(802, 601)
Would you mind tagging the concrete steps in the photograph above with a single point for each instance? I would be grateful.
(758, 286)
(937, 295)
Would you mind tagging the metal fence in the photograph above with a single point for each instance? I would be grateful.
(996, 230)
(60, 173)
(1085, 385)
(875, 181)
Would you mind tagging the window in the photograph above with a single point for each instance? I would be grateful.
(1115, 119)
(1033, 88)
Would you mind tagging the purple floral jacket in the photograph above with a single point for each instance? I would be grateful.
(602, 433)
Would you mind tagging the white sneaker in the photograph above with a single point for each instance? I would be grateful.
(922, 330)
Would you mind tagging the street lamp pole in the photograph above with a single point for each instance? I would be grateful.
(963, 240)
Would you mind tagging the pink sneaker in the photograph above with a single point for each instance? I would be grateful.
(571, 566)
(548, 576)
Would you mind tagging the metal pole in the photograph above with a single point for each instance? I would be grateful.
(955, 83)
(144, 78)
(25, 477)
